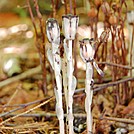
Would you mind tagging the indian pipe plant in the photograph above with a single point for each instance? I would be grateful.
(70, 24)
(87, 52)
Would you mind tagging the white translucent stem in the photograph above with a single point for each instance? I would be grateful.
(89, 94)
(58, 90)
(70, 92)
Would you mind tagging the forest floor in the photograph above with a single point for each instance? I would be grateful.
(25, 110)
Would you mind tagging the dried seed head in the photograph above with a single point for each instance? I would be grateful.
(105, 8)
(114, 6)
(70, 24)
(113, 20)
(104, 36)
(87, 50)
(53, 31)
(97, 2)
(118, 44)
(92, 12)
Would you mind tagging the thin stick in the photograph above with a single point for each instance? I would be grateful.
(23, 75)
(53, 8)
(21, 106)
(66, 6)
(41, 46)
(28, 111)
(117, 65)
(70, 3)
(74, 6)
(113, 83)
(128, 121)
(131, 51)
(14, 94)
(32, 18)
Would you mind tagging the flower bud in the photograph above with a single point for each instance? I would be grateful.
(113, 20)
(53, 31)
(119, 43)
(70, 24)
(104, 36)
(105, 8)
(92, 12)
(87, 50)
(97, 2)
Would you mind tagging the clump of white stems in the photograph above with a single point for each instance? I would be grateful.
(87, 51)
(70, 24)
(53, 34)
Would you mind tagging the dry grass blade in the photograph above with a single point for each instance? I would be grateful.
(18, 115)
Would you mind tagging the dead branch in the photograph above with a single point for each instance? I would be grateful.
(117, 65)
(20, 106)
(21, 76)
(28, 111)
(106, 85)
(129, 121)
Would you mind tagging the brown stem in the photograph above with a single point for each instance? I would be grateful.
(32, 18)
(39, 45)
(74, 6)
(66, 7)
(53, 8)
(128, 121)
(29, 110)
(131, 51)
(70, 3)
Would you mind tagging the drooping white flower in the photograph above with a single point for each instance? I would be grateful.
(70, 24)
(87, 50)
(53, 31)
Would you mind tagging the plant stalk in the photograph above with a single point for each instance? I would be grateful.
(89, 94)
(58, 89)
(70, 92)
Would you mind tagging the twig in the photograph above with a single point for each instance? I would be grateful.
(35, 125)
(70, 3)
(53, 8)
(117, 65)
(40, 43)
(66, 6)
(14, 94)
(131, 51)
(21, 106)
(18, 115)
(129, 121)
(112, 83)
(48, 114)
(32, 18)
(74, 6)
(106, 85)
(23, 75)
